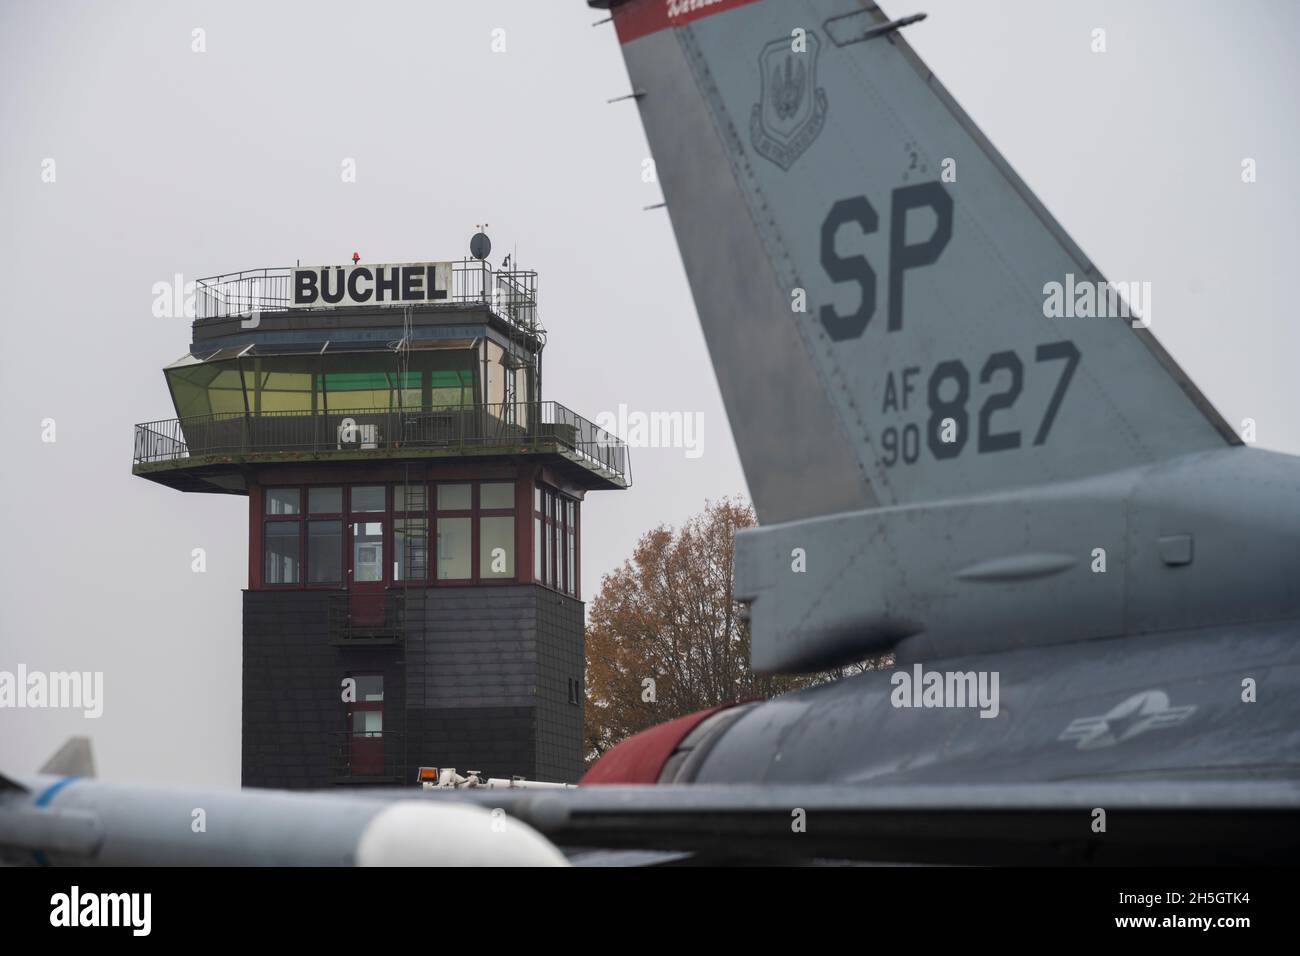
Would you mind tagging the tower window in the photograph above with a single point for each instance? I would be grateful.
(410, 543)
(368, 498)
(453, 532)
(370, 687)
(410, 533)
(283, 501)
(496, 495)
(496, 530)
(453, 497)
(281, 546)
(324, 552)
(453, 548)
(555, 540)
(324, 501)
(409, 498)
(496, 548)
(538, 568)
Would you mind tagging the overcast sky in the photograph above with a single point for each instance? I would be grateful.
(169, 161)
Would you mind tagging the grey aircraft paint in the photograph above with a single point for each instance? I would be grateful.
(1091, 531)
(924, 298)
(999, 452)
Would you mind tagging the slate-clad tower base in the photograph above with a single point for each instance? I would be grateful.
(487, 672)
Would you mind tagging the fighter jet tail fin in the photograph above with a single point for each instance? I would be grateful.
(893, 316)
(73, 759)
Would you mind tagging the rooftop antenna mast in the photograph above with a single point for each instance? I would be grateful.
(480, 246)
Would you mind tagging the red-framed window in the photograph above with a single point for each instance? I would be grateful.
(555, 540)
(496, 530)
(453, 504)
(323, 526)
(282, 537)
(443, 532)
(303, 536)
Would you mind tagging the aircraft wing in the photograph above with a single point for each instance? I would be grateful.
(1036, 823)
(1102, 822)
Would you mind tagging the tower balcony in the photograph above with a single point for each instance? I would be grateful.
(211, 452)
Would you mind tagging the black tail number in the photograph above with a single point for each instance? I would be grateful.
(948, 394)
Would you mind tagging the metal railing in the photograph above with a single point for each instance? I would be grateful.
(358, 619)
(510, 294)
(524, 425)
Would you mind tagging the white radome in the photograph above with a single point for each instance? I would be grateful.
(420, 833)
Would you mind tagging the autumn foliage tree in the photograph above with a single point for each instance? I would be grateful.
(665, 636)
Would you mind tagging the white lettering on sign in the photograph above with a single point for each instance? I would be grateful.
(404, 284)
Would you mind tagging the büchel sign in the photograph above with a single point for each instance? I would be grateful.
(315, 287)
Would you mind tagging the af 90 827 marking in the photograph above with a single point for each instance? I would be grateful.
(903, 442)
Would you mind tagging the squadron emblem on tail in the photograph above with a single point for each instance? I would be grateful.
(791, 109)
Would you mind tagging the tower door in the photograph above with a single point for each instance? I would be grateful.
(366, 727)
(366, 574)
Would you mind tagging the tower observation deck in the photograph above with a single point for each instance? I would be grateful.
(414, 517)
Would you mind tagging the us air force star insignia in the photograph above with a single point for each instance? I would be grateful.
(791, 109)
(1148, 710)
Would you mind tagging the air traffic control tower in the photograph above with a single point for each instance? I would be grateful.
(414, 517)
